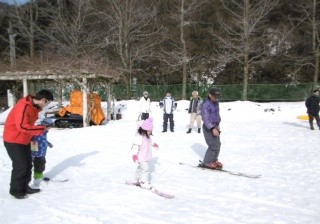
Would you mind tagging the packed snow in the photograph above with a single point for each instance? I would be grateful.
(257, 138)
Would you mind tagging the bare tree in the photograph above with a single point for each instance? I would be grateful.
(25, 17)
(315, 42)
(311, 15)
(241, 36)
(176, 51)
(305, 18)
(12, 40)
(130, 37)
(73, 41)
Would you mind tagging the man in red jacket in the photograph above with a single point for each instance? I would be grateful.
(19, 128)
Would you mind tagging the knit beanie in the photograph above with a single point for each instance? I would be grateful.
(147, 124)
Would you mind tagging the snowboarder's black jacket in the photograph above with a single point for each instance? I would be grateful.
(312, 104)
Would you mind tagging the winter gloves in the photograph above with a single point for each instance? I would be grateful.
(135, 158)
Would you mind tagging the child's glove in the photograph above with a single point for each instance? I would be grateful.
(49, 144)
(135, 158)
(155, 145)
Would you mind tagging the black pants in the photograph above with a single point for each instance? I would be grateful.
(316, 117)
(39, 164)
(144, 116)
(21, 158)
(167, 117)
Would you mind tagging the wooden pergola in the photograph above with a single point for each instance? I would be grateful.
(81, 78)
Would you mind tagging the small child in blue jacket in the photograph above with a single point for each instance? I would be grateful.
(39, 145)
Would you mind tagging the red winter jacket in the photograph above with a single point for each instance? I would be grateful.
(19, 127)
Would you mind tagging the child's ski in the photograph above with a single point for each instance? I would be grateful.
(48, 179)
(153, 190)
(203, 166)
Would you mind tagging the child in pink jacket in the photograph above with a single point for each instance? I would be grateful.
(143, 145)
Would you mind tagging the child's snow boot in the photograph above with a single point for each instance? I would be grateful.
(145, 185)
(189, 131)
(38, 177)
(36, 183)
(199, 130)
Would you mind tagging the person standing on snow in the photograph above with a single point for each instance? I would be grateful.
(169, 105)
(194, 111)
(39, 145)
(18, 130)
(144, 106)
(142, 148)
(312, 104)
(211, 119)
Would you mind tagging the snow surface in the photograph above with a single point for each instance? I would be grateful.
(257, 138)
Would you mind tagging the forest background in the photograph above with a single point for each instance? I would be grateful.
(164, 42)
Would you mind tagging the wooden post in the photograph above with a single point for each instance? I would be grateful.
(59, 95)
(85, 102)
(25, 86)
(109, 99)
(11, 98)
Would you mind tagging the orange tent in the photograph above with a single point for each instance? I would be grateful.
(76, 103)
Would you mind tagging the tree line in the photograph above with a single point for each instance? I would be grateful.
(166, 41)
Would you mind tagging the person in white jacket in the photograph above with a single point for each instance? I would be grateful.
(144, 106)
(168, 104)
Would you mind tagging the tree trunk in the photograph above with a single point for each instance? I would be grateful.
(12, 37)
(316, 69)
(245, 77)
(246, 50)
(315, 45)
(31, 30)
(184, 53)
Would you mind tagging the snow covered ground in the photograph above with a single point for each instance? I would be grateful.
(257, 138)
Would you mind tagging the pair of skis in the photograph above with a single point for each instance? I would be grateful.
(153, 190)
(202, 166)
(235, 173)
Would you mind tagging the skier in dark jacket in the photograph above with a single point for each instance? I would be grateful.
(312, 104)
